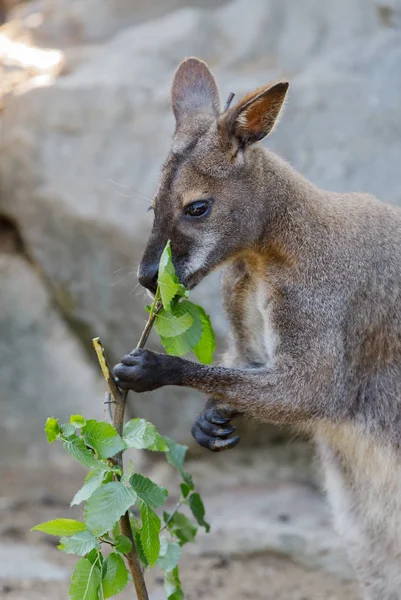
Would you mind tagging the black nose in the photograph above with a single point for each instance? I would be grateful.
(147, 277)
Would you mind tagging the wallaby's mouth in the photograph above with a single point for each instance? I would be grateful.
(195, 278)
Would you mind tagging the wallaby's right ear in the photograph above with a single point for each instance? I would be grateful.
(255, 116)
(194, 90)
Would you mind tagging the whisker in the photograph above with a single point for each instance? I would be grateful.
(132, 197)
(148, 198)
(114, 283)
(116, 183)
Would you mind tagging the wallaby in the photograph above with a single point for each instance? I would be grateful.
(312, 290)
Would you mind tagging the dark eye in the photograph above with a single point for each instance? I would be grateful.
(199, 208)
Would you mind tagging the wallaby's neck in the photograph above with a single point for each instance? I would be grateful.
(292, 210)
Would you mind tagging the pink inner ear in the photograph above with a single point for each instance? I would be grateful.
(255, 116)
(258, 112)
(194, 89)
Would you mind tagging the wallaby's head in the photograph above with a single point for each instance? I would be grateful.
(204, 202)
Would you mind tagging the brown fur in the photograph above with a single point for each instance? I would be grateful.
(312, 290)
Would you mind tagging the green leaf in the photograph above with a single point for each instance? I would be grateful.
(52, 429)
(187, 477)
(169, 555)
(76, 447)
(184, 343)
(181, 527)
(103, 438)
(140, 434)
(106, 505)
(93, 480)
(185, 490)
(198, 510)
(85, 581)
(175, 453)
(176, 456)
(168, 325)
(77, 420)
(67, 430)
(60, 527)
(172, 585)
(80, 543)
(152, 494)
(95, 557)
(207, 344)
(167, 281)
(123, 544)
(149, 534)
(114, 575)
(139, 549)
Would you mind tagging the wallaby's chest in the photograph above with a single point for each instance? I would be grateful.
(260, 335)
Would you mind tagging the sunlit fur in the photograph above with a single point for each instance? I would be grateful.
(312, 290)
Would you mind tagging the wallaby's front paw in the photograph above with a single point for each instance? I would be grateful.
(212, 430)
(139, 371)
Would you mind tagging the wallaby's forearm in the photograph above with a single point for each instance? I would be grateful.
(281, 394)
(271, 395)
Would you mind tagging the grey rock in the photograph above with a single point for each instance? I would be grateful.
(23, 562)
(69, 22)
(43, 369)
(342, 124)
(280, 518)
(390, 13)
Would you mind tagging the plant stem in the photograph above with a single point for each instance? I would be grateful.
(171, 517)
(120, 399)
(118, 422)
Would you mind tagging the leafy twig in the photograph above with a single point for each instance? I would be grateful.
(120, 399)
(118, 422)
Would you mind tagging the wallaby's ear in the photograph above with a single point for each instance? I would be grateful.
(194, 90)
(255, 116)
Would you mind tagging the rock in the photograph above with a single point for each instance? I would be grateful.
(20, 561)
(80, 156)
(390, 13)
(62, 22)
(342, 124)
(286, 519)
(43, 369)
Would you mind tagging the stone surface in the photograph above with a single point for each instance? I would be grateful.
(67, 22)
(20, 561)
(43, 370)
(342, 124)
(286, 519)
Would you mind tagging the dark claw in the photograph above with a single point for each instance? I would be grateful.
(122, 372)
(217, 416)
(129, 360)
(214, 430)
(219, 445)
(218, 421)
(212, 443)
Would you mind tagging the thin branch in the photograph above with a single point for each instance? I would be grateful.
(120, 399)
(108, 413)
(171, 517)
(229, 100)
(104, 365)
(118, 422)
(106, 542)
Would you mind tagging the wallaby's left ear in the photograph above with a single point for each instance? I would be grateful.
(255, 116)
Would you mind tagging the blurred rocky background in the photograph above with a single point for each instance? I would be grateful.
(85, 124)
